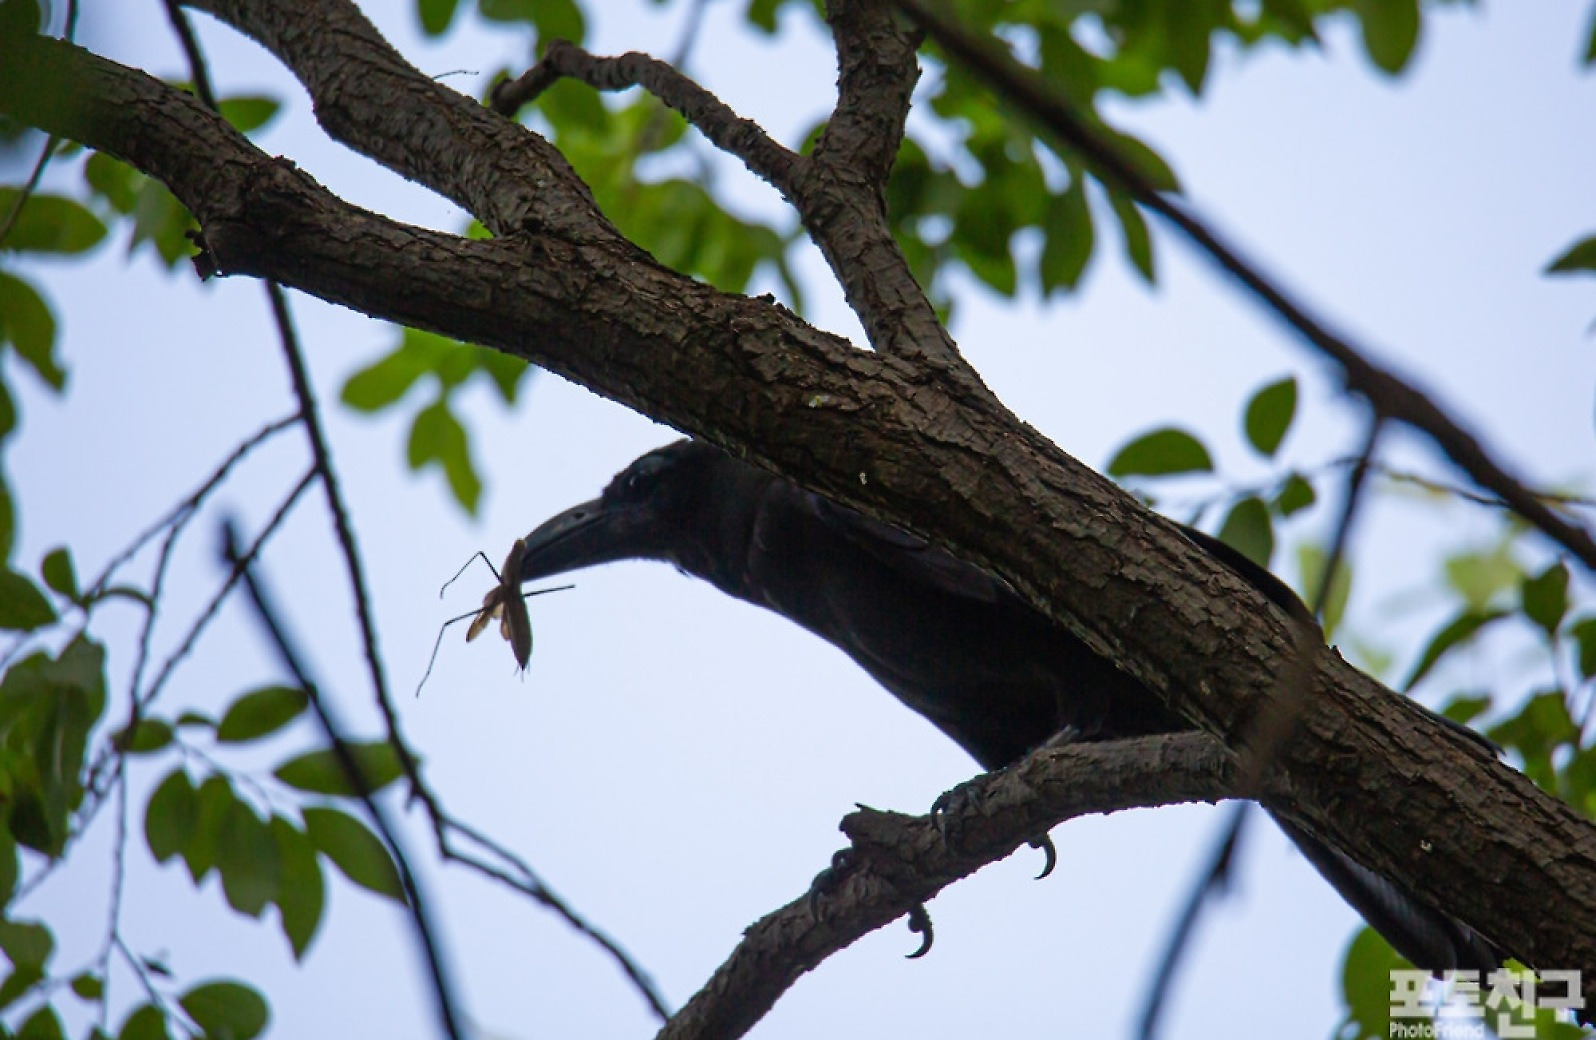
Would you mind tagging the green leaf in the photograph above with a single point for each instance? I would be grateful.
(1583, 632)
(145, 1023)
(1466, 709)
(213, 804)
(553, 18)
(248, 112)
(356, 851)
(58, 573)
(27, 324)
(436, 436)
(1311, 561)
(226, 1010)
(1248, 530)
(171, 816)
(113, 180)
(1161, 453)
(43, 1024)
(22, 606)
(1067, 245)
(387, 379)
(10, 869)
(1366, 982)
(1294, 496)
(1480, 576)
(1453, 634)
(148, 735)
(1138, 244)
(1390, 31)
(436, 15)
(1581, 256)
(26, 943)
(301, 895)
(1545, 597)
(88, 986)
(1269, 415)
(321, 772)
(246, 858)
(50, 224)
(261, 713)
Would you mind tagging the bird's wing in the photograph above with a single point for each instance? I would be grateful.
(912, 558)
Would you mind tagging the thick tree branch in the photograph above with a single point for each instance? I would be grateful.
(1365, 770)
(896, 862)
(1390, 396)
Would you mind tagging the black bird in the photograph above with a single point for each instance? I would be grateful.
(952, 642)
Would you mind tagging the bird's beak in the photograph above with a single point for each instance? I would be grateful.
(582, 536)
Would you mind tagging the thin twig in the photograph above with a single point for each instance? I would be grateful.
(1214, 880)
(198, 72)
(728, 131)
(29, 187)
(443, 992)
(1389, 395)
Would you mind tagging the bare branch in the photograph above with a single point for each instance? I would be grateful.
(713, 118)
(899, 862)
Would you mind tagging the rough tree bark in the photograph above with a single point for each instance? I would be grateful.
(905, 431)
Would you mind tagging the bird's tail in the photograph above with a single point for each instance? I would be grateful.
(1431, 939)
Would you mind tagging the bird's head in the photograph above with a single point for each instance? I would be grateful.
(667, 505)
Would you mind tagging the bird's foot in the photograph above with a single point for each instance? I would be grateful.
(830, 879)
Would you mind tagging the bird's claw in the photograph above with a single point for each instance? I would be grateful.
(1045, 843)
(830, 879)
(920, 922)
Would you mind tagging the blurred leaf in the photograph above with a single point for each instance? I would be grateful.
(9, 867)
(261, 713)
(320, 772)
(148, 735)
(226, 1010)
(248, 112)
(171, 816)
(26, 943)
(145, 1023)
(1541, 727)
(1583, 632)
(1451, 635)
(554, 19)
(213, 804)
(436, 437)
(246, 858)
(1581, 256)
(1366, 982)
(301, 895)
(1466, 709)
(1068, 237)
(1390, 31)
(88, 986)
(436, 15)
(58, 573)
(43, 1024)
(356, 851)
(1269, 415)
(1311, 562)
(162, 221)
(50, 224)
(1545, 597)
(113, 180)
(1294, 496)
(1248, 530)
(1138, 244)
(1160, 453)
(27, 324)
(1480, 576)
(22, 606)
(387, 379)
